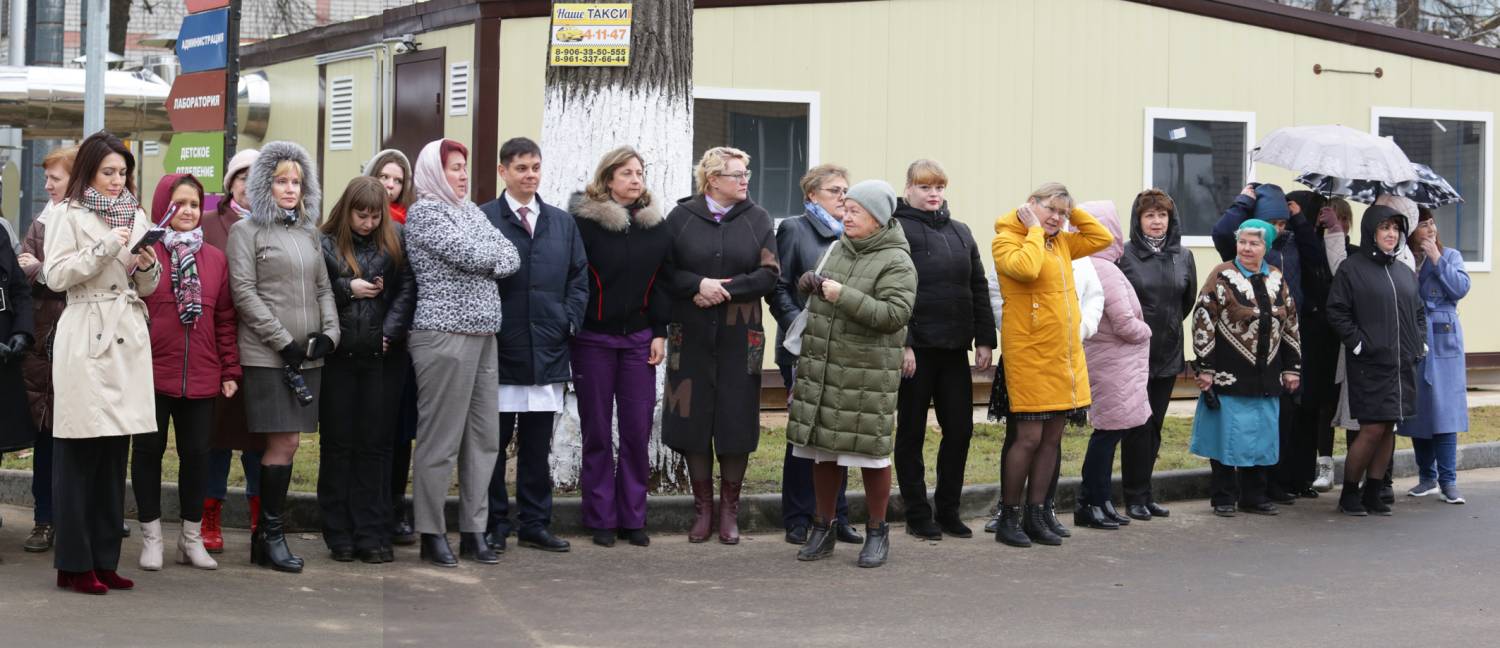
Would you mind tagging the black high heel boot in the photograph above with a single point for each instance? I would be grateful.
(268, 546)
(1035, 526)
(1009, 532)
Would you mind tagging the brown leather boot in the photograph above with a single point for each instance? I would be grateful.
(703, 511)
(729, 512)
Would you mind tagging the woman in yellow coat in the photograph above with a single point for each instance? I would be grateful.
(1042, 351)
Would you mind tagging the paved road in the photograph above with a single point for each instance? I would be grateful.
(1308, 577)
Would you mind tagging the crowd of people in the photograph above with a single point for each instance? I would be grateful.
(417, 332)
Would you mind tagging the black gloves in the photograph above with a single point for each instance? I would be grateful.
(809, 284)
(13, 350)
(318, 345)
(293, 355)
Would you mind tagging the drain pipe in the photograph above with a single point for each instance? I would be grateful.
(17, 32)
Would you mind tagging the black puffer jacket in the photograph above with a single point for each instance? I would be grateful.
(1375, 307)
(542, 303)
(800, 244)
(1166, 281)
(364, 322)
(1320, 346)
(953, 296)
(625, 248)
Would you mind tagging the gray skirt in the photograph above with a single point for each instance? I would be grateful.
(270, 405)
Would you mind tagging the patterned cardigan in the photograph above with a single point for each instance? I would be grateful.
(1245, 331)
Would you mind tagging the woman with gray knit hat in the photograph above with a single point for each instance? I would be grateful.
(844, 401)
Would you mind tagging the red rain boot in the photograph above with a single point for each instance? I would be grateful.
(213, 537)
(254, 501)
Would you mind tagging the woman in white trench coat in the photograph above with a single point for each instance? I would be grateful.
(101, 364)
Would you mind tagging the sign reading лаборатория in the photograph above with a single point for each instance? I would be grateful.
(586, 34)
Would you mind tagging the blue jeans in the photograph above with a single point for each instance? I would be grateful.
(1437, 458)
(218, 472)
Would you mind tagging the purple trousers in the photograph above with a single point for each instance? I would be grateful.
(609, 372)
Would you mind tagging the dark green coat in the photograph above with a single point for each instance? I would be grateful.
(845, 397)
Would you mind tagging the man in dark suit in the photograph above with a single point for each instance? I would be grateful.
(542, 308)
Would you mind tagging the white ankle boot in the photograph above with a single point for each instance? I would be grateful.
(190, 549)
(1324, 481)
(151, 545)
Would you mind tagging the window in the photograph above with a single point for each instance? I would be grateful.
(1458, 146)
(779, 131)
(1200, 158)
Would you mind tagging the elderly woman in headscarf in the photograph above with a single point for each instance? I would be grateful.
(457, 257)
(1245, 337)
(1376, 309)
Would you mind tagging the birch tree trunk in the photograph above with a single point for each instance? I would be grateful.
(647, 105)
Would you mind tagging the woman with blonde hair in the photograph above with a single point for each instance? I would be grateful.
(622, 341)
(1039, 332)
(722, 262)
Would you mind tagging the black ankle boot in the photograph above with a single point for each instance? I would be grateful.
(268, 546)
(435, 550)
(1053, 523)
(820, 542)
(1111, 513)
(1035, 526)
(1092, 517)
(1009, 532)
(1372, 499)
(1349, 500)
(877, 546)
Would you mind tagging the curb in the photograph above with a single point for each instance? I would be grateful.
(760, 512)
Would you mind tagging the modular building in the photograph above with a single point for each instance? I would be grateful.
(1107, 96)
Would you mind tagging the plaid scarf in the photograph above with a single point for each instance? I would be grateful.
(116, 212)
(186, 285)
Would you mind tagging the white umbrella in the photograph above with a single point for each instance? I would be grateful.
(1335, 151)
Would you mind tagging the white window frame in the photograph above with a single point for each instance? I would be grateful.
(1487, 229)
(1147, 154)
(813, 99)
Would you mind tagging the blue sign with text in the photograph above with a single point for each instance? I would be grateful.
(202, 41)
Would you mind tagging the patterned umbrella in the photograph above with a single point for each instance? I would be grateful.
(1428, 190)
(1336, 151)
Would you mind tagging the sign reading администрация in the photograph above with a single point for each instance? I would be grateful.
(591, 34)
(202, 43)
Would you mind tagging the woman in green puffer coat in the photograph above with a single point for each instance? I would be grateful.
(844, 399)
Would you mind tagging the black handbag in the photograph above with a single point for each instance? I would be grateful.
(999, 397)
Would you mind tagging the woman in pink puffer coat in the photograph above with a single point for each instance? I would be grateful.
(1118, 357)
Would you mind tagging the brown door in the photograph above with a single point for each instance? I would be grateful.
(419, 101)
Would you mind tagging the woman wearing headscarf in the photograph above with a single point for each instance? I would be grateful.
(849, 372)
(457, 257)
(288, 324)
(36, 365)
(1118, 357)
(101, 358)
(622, 341)
(722, 262)
(196, 359)
(1165, 279)
(393, 171)
(1376, 308)
(1442, 401)
(1040, 338)
(1245, 337)
(229, 430)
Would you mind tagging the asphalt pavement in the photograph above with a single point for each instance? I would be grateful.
(1309, 576)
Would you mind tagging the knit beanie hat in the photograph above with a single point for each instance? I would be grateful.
(1267, 230)
(876, 197)
(1270, 204)
(240, 162)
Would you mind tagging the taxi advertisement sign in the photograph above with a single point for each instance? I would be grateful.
(586, 34)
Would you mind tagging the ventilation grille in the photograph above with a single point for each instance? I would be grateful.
(341, 114)
(458, 89)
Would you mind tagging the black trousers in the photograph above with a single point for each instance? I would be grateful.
(1098, 463)
(1248, 490)
(88, 499)
(533, 434)
(942, 380)
(192, 422)
(797, 502)
(356, 424)
(1301, 437)
(1140, 445)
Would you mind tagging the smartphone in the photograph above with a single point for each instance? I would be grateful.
(171, 211)
(152, 236)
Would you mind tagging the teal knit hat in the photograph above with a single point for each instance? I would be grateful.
(1267, 230)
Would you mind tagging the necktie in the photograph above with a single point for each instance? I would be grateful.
(525, 222)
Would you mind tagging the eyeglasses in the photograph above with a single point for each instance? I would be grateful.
(836, 191)
(743, 176)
